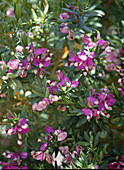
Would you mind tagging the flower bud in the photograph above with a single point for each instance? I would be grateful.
(10, 13)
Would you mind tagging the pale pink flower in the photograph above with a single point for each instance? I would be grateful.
(34, 106)
(42, 104)
(53, 98)
(10, 13)
(110, 67)
(19, 48)
(13, 64)
(64, 29)
(71, 35)
(64, 15)
(64, 108)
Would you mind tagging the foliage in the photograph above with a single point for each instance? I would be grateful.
(61, 85)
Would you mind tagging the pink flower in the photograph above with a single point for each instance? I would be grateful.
(34, 106)
(86, 39)
(59, 75)
(9, 116)
(53, 98)
(121, 81)
(42, 104)
(64, 29)
(64, 15)
(64, 149)
(103, 43)
(10, 13)
(110, 67)
(71, 35)
(19, 48)
(61, 135)
(13, 64)
(64, 108)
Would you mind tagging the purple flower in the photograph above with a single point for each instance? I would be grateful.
(9, 116)
(87, 112)
(121, 81)
(59, 75)
(64, 149)
(23, 167)
(39, 51)
(64, 108)
(103, 43)
(22, 121)
(92, 101)
(49, 129)
(74, 83)
(43, 61)
(43, 147)
(24, 155)
(62, 83)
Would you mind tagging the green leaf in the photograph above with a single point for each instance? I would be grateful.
(18, 10)
(101, 156)
(60, 44)
(81, 122)
(86, 136)
(24, 40)
(71, 43)
(2, 72)
(84, 144)
(71, 11)
(96, 139)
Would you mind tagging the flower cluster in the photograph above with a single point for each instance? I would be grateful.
(37, 60)
(112, 58)
(64, 17)
(116, 165)
(52, 136)
(121, 81)
(20, 128)
(98, 103)
(61, 79)
(15, 160)
(83, 60)
(43, 104)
